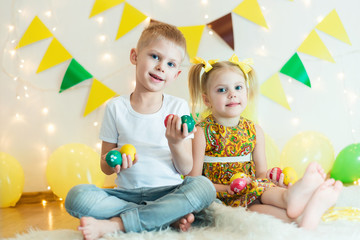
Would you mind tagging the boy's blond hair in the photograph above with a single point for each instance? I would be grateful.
(157, 31)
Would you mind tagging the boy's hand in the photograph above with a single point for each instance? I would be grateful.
(126, 163)
(173, 130)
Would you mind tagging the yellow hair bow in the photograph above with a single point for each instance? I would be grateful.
(207, 64)
(244, 65)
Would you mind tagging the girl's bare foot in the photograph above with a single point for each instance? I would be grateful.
(184, 223)
(92, 228)
(323, 198)
(300, 193)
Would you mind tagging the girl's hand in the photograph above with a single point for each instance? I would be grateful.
(279, 183)
(229, 191)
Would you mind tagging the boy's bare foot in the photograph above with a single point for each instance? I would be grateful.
(299, 194)
(92, 228)
(323, 198)
(184, 223)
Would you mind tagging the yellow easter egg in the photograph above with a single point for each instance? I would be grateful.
(238, 175)
(290, 175)
(128, 149)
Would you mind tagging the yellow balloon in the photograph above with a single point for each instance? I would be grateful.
(73, 164)
(11, 180)
(272, 152)
(307, 147)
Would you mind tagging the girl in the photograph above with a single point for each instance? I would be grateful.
(233, 144)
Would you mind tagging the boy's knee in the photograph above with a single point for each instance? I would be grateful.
(76, 196)
(202, 189)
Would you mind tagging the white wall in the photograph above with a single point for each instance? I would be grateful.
(324, 108)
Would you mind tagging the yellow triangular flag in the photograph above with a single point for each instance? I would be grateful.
(332, 25)
(55, 54)
(273, 89)
(103, 5)
(35, 32)
(250, 9)
(130, 18)
(192, 35)
(314, 46)
(99, 93)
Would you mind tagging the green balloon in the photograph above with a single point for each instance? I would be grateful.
(346, 167)
(113, 158)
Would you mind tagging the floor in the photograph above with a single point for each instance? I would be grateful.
(43, 211)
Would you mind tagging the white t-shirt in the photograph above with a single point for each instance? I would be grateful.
(123, 125)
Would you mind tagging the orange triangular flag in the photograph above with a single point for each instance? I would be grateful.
(130, 18)
(103, 5)
(99, 93)
(332, 25)
(35, 32)
(273, 89)
(192, 35)
(250, 9)
(313, 46)
(55, 54)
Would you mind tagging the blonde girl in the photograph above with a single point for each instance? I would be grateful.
(226, 143)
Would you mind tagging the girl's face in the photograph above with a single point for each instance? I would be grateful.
(226, 96)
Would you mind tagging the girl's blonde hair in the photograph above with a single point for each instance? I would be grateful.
(199, 85)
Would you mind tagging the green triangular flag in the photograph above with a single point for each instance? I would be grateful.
(295, 69)
(74, 74)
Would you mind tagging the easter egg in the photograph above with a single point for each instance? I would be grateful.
(128, 149)
(190, 122)
(278, 172)
(238, 185)
(113, 158)
(290, 175)
(238, 175)
(166, 119)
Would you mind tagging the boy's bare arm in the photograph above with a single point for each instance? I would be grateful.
(182, 156)
(105, 148)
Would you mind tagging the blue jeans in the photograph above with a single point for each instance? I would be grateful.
(143, 209)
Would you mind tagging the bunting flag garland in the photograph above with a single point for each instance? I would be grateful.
(313, 46)
(35, 32)
(55, 54)
(295, 69)
(103, 5)
(273, 89)
(250, 9)
(74, 74)
(130, 18)
(224, 28)
(99, 93)
(192, 35)
(332, 25)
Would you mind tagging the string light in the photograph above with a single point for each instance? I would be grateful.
(45, 111)
(51, 128)
(96, 124)
(107, 57)
(102, 38)
(48, 13)
(11, 28)
(206, 16)
(100, 20)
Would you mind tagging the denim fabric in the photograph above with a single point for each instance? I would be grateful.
(143, 209)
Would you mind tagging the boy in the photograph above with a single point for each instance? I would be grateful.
(150, 193)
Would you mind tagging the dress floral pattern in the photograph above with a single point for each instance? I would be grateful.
(234, 141)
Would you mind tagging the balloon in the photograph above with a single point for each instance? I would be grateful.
(11, 180)
(73, 164)
(347, 164)
(307, 147)
(272, 152)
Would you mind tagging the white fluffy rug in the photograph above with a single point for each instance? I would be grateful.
(236, 223)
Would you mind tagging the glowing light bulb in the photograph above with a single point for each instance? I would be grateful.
(11, 28)
(95, 124)
(319, 19)
(106, 57)
(48, 13)
(100, 20)
(204, 2)
(341, 75)
(48, 187)
(211, 33)
(45, 111)
(102, 38)
(43, 202)
(206, 16)
(51, 128)
(54, 29)
(12, 52)
(295, 121)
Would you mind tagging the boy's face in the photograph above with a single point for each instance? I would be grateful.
(157, 64)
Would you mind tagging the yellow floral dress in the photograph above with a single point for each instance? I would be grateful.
(228, 151)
